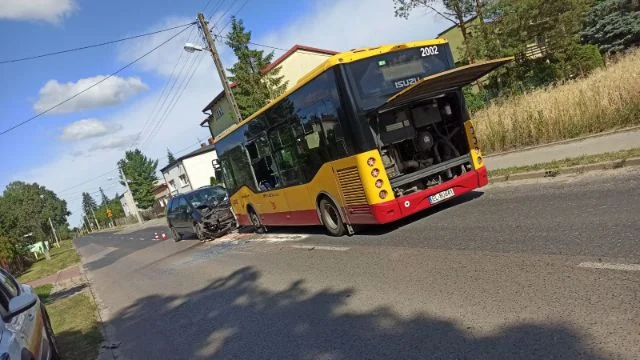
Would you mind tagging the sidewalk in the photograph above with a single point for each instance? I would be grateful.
(589, 146)
(70, 274)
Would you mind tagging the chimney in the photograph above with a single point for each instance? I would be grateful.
(210, 140)
(203, 145)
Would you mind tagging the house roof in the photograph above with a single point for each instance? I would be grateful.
(270, 67)
(456, 25)
(201, 150)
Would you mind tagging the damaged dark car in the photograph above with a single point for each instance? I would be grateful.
(204, 212)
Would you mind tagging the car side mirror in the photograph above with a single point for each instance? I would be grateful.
(20, 304)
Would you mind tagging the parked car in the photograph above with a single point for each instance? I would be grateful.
(25, 329)
(204, 212)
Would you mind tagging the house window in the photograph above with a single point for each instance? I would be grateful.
(183, 180)
(172, 185)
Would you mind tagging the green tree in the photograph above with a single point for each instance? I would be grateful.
(141, 173)
(88, 204)
(103, 198)
(256, 87)
(170, 158)
(26, 209)
(455, 11)
(613, 25)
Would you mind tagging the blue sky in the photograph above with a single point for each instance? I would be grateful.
(63, 150)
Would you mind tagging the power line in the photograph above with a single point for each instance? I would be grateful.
(177, 97)
(165, 92)
(92, 46)
(91, 86)
(236, 13)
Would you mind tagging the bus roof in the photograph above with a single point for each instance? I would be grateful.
(341, 58)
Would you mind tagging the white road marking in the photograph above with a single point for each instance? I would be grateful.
(597, 265)
(316, 247)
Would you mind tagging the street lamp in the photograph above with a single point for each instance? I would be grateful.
(190, 48)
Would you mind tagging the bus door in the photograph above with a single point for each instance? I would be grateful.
(270, 202)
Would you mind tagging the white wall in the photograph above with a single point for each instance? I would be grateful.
(200, 169)
(173, 174)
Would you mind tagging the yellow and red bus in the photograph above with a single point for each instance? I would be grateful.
(370, 136)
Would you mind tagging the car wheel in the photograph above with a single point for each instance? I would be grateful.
(199, 231)
(53, 344)
(176, 235)
(331, 218)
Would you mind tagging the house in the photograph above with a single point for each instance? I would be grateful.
(161, 194)
(191, 171)
(293, 64)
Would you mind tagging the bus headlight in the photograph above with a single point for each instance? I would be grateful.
(371, 161)
(382, 194)
(379, 183)
(375, 173)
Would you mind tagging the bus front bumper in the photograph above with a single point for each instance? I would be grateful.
(404, 206)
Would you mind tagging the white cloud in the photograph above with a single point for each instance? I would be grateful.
(346, 24)
(111, 92)
(115, 142)
(52, 11)
(321, 27)
(88, 128)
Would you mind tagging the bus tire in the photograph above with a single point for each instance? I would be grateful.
(255, 220)
(331, 218)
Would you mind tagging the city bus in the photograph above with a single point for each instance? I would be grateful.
(369, 136)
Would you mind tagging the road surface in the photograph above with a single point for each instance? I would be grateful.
(533, 270)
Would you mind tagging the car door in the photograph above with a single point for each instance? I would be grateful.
(183, 215)
(172, 212)
(27, 327)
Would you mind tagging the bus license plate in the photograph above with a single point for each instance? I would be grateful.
(443, 195)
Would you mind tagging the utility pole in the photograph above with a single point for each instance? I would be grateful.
(216, 59)
(90, 228)
(55, 235)
(133, 201)
(96, 220)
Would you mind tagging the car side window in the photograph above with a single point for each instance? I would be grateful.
(182, 205)
(9, 285)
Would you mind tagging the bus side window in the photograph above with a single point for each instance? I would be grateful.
(286, 155)
(263, 164)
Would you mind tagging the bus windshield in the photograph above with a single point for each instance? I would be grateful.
(377, 78)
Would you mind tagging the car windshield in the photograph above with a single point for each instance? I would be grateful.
(375, 79)
(206, 196)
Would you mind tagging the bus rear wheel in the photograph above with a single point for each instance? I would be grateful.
(331, 218)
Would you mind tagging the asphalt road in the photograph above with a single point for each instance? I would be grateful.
(504, 273)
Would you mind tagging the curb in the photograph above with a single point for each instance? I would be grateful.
(578, 169)
(562, 142)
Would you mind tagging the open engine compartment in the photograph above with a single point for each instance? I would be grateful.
(423, 144)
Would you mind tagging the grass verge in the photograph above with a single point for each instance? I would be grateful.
(607, 99)
(44, 292)
(581, 160)
(61, 258)
(76, 327)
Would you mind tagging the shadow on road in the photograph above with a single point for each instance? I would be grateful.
(237, 318)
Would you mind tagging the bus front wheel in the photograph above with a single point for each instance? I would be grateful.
(255, 220)
(331, 218)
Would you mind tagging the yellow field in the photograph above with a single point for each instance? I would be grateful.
(607, 99)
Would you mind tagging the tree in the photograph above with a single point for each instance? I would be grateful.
(455, 11)
(88, 204)
(170, 158)
(103, 198)
(26, 209)
(256, 87)
(613, 25)
(141, 173)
